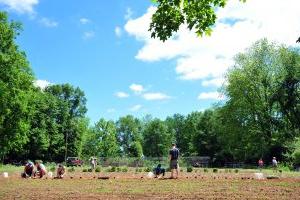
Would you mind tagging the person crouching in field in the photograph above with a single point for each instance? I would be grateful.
(40, 169)
(173, 156)
(28, 170)
(60, 171)
(159, 171)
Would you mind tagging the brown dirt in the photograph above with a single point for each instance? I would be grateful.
(132, 186)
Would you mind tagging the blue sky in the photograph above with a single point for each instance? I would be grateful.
(104, 48)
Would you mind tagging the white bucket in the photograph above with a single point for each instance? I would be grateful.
(5, 174)
(150, 175)
(259, 176)
(50, 174)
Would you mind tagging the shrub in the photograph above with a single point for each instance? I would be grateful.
(90, 170)
(189, 169)
(118, 169)
(236, 170)
(72, 169)
(52, 169)
(147, 169)
(205, 170)
(124, 169)
(98, 169)
(215, 170)
(84, 170)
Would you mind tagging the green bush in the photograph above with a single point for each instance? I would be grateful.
(90, 170)
(236, 170)
(118, 169)
(205, 170)
(189, 169)
(72, 169)
(52, 169)
(147, 169)
(124, 169)
(98, 169)
(215, 170)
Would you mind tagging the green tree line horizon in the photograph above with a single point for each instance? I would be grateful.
(259, 119)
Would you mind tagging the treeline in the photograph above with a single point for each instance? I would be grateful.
(260, 116)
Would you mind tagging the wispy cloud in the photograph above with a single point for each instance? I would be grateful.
(155, 96)
(118, 31)
(20, 6)
(128, 14)
(121, 95)
(136, 88)
(84, 20)
(135, 108)
(48, 22)
(42, 84)
(88, 35)
(211, 96)
(111, 110)
(208, 58)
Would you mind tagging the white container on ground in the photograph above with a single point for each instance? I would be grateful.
(5, 174)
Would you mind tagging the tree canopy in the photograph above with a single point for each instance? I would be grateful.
(198, 15)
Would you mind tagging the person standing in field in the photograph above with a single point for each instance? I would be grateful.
(274, 164)
(173, 157)
(260, 164)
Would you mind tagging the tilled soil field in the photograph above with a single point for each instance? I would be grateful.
(138, 186)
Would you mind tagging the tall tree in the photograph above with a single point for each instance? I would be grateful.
(157, 139)
(16, 80)
(71, 105)
(129, 136)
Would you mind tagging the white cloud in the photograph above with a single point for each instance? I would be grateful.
(121, 95)
(20, 6)
(136, 88)
(88, 35)
(239, 25)
(84, 20)
(211, 96)
(135, 108)
(48, 22)
(155, 96)
(213, 82)
(111, 110)
(41, 84)
(128, 14)
(118, 31)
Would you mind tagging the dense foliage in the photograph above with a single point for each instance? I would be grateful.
(198, 15)
(260, 117)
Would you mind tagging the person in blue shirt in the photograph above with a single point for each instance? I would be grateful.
(173, 157)
(28, 169)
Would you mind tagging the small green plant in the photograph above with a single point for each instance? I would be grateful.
(84, 170)
(90, 170)
(147, 169)
(72, 169)
(118, 169)
(189, 169)
(98, 169)
(215, 170)
(236, 170)
(124, 169)
(205, 170)
(140, 169)
(52, 169)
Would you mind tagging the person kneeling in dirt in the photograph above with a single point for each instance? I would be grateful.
(158, 171)
(40, 169)
(28, 170)
(60, 171)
